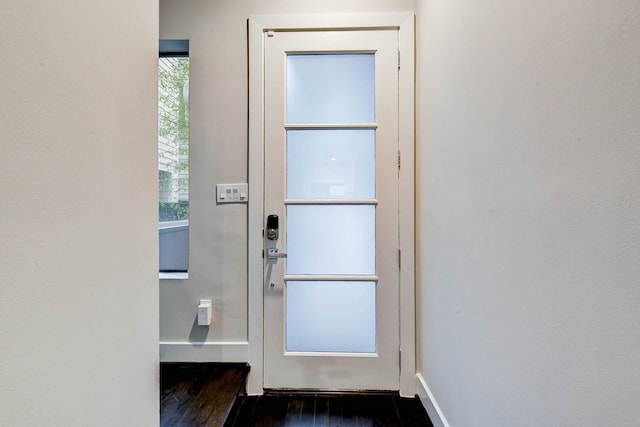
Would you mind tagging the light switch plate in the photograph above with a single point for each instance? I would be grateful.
(232, 193)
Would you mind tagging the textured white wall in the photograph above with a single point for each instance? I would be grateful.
(78, 184)
(217, 31)
(529, 211)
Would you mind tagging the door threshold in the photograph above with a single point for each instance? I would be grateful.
(308, 391)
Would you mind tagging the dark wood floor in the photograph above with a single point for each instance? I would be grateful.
(212, 395)
(199, 394)
(306, 410)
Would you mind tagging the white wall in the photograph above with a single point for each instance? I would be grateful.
(529, 211)
(78, 184)
(217, 31)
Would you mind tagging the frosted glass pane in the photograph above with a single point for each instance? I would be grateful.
(331, 317)
(331, 164)
(331, 88)
(331, 239)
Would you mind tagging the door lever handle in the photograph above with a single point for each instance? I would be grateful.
(272, 253)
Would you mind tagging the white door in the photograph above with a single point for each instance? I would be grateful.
(331, 319)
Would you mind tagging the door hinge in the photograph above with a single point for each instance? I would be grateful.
(398, 159)
(400, 359)
(398, 60)
(399, 258)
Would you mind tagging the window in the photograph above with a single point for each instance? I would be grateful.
(173, 155)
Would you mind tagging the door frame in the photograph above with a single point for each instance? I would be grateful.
(404, 22)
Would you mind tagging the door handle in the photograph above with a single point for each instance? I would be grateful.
(272, 234)
(273, 253)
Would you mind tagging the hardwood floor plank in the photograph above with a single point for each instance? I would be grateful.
(199, 394)
(271, 411)
(336, 413)
(300, 411)
(353, 411)
(411, 412)
(294, 408)
(245, 413)
(322, 417)
(382, 411)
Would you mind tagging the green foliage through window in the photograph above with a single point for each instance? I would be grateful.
(173, 137)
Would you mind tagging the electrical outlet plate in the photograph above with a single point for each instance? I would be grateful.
(232, 193)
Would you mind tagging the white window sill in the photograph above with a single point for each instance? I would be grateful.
(174, 276)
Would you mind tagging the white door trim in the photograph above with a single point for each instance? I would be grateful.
(404, 22)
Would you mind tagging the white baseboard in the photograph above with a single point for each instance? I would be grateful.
(430, 404)
(204, 351)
